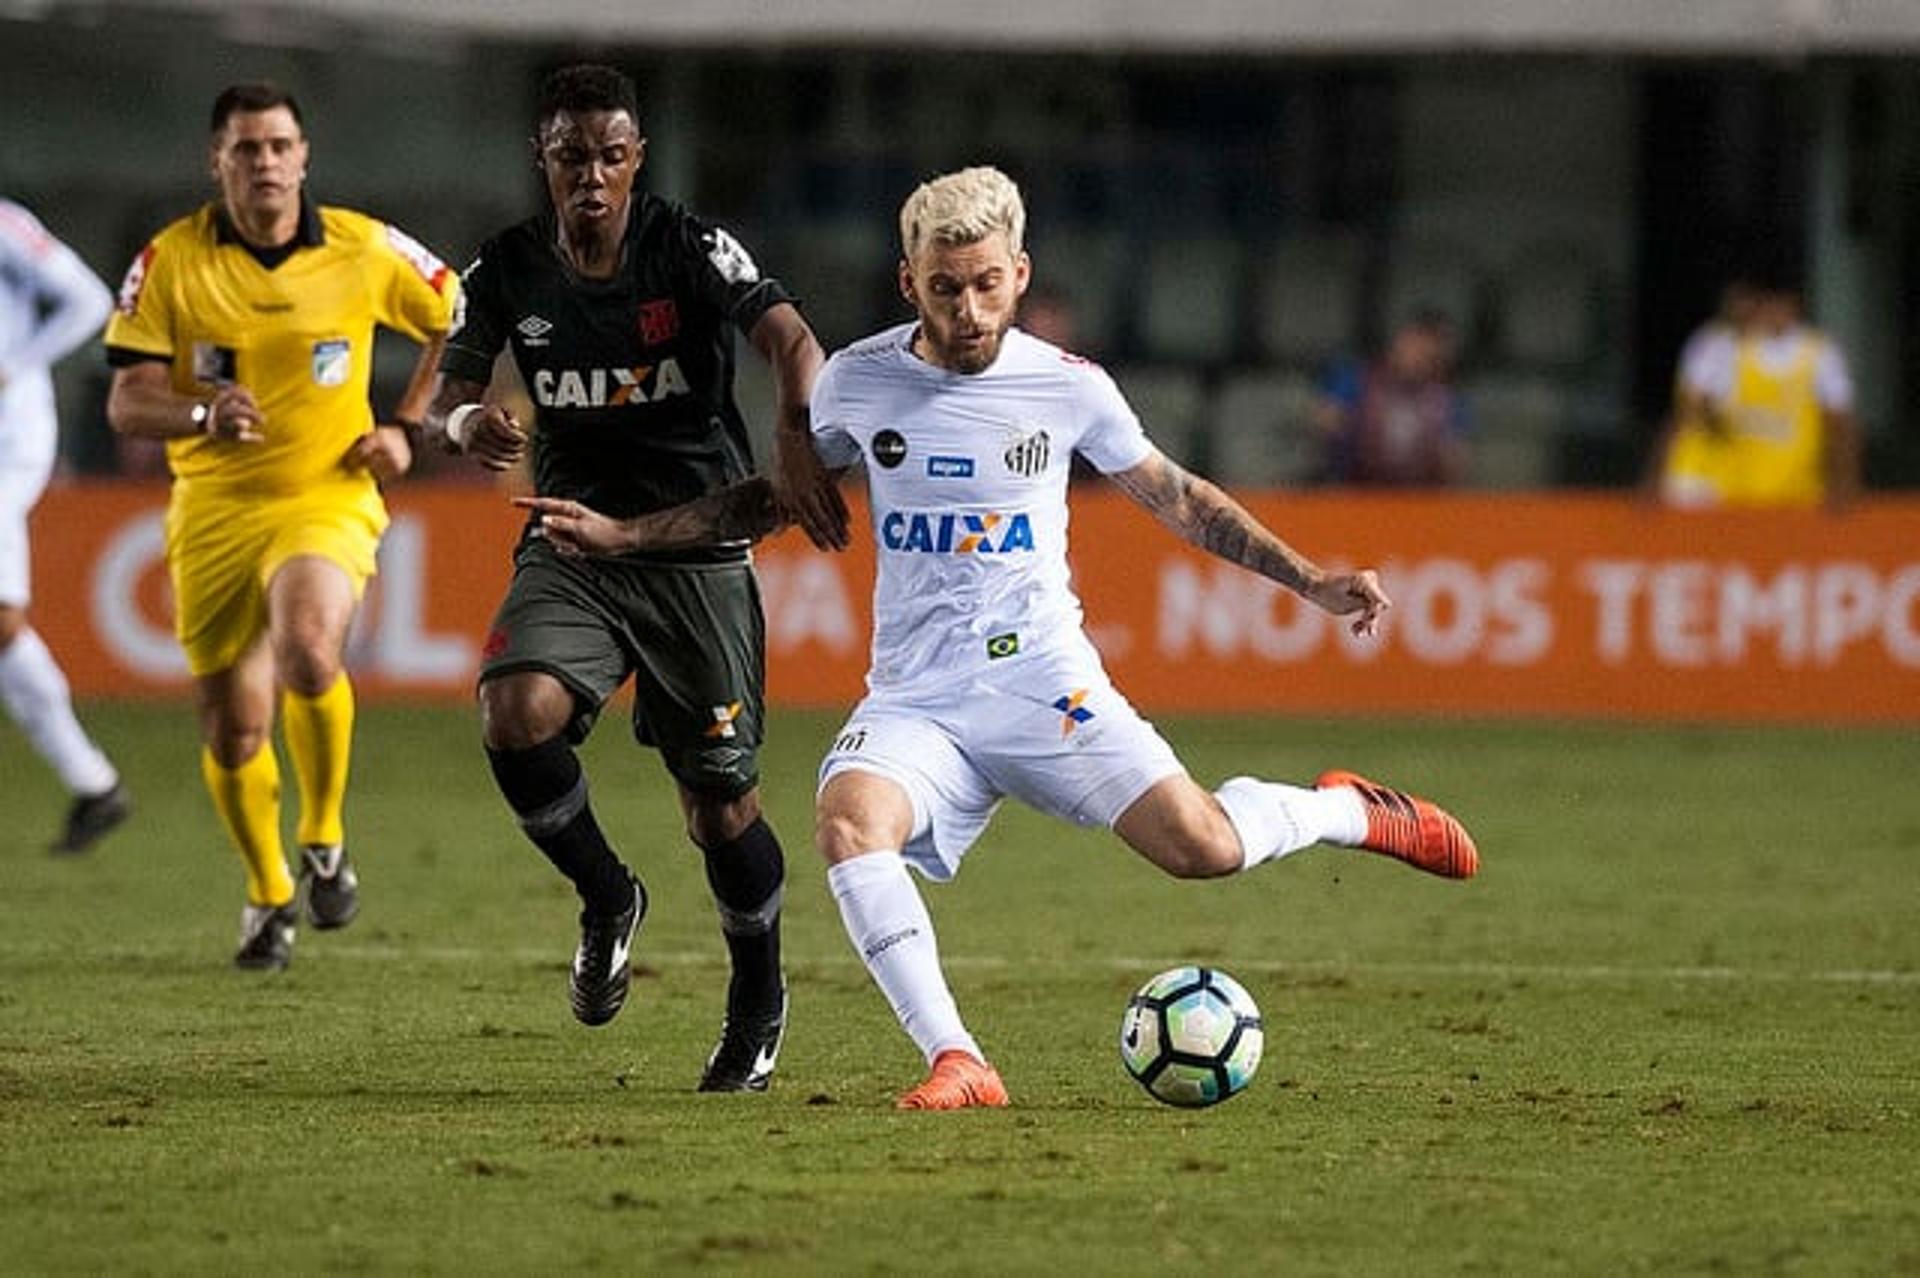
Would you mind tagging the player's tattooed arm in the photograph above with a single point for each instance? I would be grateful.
(1201, 514)
(746, 511)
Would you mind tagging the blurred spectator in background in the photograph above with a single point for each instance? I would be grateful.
(1398, 421)
(1763, 409)
(50, 303)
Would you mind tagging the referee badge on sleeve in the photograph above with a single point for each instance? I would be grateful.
(332, 362)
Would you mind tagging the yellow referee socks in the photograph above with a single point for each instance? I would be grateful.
(248, 801)
(319, 733)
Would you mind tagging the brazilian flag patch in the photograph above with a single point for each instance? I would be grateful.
(999, 646)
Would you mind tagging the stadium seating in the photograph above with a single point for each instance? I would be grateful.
(1518, 419)
(1260, 430)
(1169, 400)
(1191, 309)
(1307, 297)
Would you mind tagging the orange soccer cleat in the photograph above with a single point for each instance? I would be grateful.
(1410, 829)
(957, 1082)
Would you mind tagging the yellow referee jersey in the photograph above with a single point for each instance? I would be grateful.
(298, 335)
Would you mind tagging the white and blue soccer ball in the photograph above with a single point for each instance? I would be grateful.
(1192, 1037)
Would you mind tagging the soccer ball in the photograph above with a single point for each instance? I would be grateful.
(1192, 1037)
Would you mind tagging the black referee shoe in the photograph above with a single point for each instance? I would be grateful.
(749, 1048)
(332, 888)
(266, 937)
(90, 818)
(597, 986)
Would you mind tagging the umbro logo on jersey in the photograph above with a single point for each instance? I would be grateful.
(608, 387)
(1029, 456)
(533, 330)
(951, 534)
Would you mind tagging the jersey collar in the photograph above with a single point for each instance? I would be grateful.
(310, 233)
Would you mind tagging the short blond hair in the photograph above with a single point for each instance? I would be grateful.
(963, 208)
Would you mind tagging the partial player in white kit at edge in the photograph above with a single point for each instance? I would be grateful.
(983, 683)
(50, 302)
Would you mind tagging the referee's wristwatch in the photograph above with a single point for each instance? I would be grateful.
(201, 415)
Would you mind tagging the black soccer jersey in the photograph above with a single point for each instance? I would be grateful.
(632, 376)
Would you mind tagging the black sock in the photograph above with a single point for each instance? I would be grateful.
(548, 792)
(746, 875)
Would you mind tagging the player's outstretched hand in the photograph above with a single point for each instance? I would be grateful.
(384, 451)
(576, 530)
(1353, 592)
(809, 494)
(495, 438)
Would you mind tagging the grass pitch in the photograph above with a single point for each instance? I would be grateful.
(1671, 1028)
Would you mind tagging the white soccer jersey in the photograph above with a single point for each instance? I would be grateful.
(50, 302)
(967, 479)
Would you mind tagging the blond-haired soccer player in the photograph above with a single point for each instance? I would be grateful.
(244, 338)
(983, 682)
(50, 302)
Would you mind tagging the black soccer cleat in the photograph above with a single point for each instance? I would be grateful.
(597, 985)
(266, 937)
(90, 818)
(749, 1047)
(332, 888)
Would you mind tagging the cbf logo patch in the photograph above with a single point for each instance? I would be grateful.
(1072, 712)
(1029, 456)
(332, 362)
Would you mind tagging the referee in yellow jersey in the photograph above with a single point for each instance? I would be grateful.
(244, 338)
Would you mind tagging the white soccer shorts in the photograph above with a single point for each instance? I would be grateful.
(1051, 731)
(20, 488)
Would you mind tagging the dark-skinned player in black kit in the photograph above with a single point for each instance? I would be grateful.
(619, 308)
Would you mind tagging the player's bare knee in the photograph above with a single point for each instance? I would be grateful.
(519, 712)
(839, 836)
(232, 745)
(713, 822)
(307, 664)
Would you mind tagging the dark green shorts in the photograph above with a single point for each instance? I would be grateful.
(692, 635)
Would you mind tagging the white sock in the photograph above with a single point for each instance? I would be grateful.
(1273, 819)
(34, 691)
(889, 926)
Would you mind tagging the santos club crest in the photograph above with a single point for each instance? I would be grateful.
(1029, 456)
